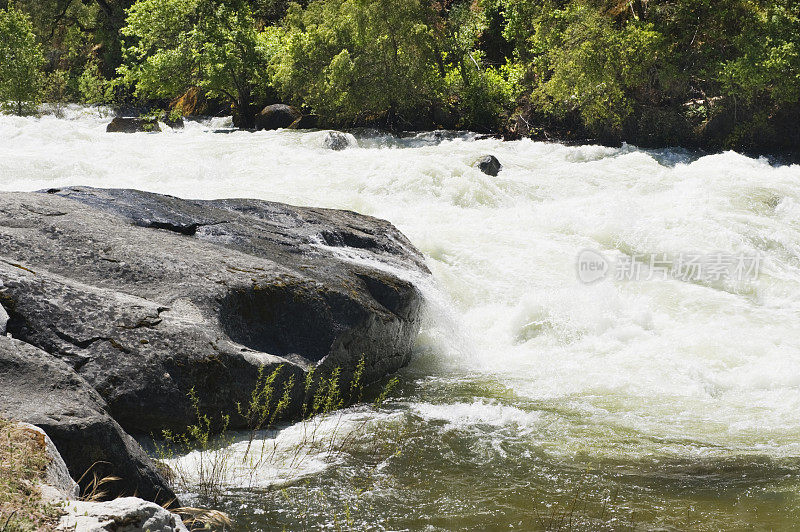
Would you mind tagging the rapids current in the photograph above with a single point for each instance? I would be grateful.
(534, 400)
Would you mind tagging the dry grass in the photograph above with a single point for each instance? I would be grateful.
(203, 518)
(23, 462)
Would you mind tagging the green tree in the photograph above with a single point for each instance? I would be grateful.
(20, 62)
(592, 65)
(178, 44)
(359, 60)
(55, 90)
(481, 93)
(93, 87)
(768, 67)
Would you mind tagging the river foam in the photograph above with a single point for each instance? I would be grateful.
(618, 370)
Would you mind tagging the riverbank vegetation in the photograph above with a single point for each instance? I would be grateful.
(721, 74)
(216, 456)
(23, 462)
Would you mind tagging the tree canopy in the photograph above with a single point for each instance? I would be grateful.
(714, 73)
(179, 44)
(354, 59)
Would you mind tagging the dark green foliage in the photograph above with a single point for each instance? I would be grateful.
(661, 72)
(714, 73)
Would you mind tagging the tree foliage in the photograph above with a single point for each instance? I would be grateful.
(768, 65)
(93, 87)
(174, 45)
(20, 62)
(350, 59)
(592, 65)
(716, 73)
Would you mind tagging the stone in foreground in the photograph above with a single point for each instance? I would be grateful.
(57, 484)
(127, 514)
(40, 389)
(121, 302)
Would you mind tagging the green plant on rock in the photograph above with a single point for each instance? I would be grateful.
(263, 409)
(209, 471)
(214, 458)
(20, 62)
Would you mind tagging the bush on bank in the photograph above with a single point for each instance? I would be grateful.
(716, 74)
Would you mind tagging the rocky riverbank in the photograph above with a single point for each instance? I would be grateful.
(120, 303)
(39, 494)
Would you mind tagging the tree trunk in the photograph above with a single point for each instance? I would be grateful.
(247, 115)
(391, 116)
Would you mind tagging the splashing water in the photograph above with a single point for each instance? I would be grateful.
(534, 400)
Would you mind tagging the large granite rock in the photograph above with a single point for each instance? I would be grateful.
(38, 388)
(147, 297)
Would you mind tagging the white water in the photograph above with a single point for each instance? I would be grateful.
(625, 370)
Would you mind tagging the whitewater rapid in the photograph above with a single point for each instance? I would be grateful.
(516, 348)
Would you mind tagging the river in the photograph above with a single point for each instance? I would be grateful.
(535, 399)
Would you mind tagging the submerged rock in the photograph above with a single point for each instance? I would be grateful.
(336, 141)
(126, 301)
(38, 388)
(175, 123)
(122, 124)
(276, 116)
(128, 514)
(489, 165)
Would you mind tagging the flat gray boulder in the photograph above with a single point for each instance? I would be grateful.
(146, 297)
